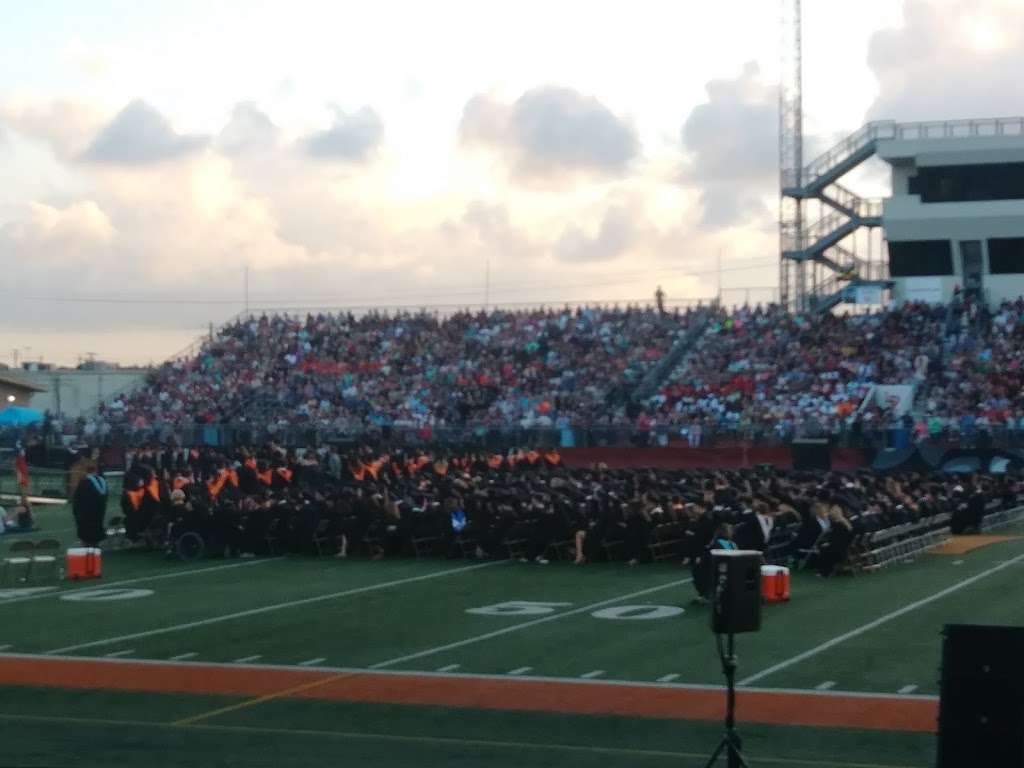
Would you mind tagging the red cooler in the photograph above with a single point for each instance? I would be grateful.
(774, 583)
(84, 563)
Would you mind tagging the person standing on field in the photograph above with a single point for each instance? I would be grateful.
(89, 506)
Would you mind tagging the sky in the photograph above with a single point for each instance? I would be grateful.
(436, 155)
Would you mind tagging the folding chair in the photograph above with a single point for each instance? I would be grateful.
(273, 537)
(804, 555)
(467, 545)
(562, 550)
(613, 548)
(46, 557)
(424, 545)
(324, 541)
(661, 544)
(17, 560)
(516, 548)
(116, 534)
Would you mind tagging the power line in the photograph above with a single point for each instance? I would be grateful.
(610, 280)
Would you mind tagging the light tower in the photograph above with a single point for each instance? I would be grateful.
(792, 278)
(819, 262)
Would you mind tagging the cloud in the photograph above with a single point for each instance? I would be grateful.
(731, 146)
(950, 60)
(549, 131)
(43, 233)
(65, 126)
(140, 135)
(249, 130)
(494, 232)
(614, 237)
(352, 137)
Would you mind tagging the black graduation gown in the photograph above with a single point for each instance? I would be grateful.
(89, 506)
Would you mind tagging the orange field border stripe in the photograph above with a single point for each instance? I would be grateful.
(885, 713)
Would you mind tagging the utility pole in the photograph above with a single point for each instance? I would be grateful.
(487, 284)
(246, 281)
(719, 277)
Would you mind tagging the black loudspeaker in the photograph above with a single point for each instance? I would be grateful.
(736, 591)
(810, 455)
(981, 709)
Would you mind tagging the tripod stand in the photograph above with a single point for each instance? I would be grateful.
(730, 743)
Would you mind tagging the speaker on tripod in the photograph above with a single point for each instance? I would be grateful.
(735, 608)
(981, 707)
(736, 592)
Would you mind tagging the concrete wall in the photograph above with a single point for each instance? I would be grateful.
(74, 393)
(905, 217)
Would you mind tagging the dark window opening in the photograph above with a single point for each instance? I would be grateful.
(967, 183)
(1006, 255)
(920, 258)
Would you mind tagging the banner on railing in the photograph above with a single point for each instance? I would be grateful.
(924, 289)
(868, 294)
(898, 397)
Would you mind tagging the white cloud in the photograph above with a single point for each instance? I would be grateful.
(249, 131)
(731, 148)
(949, 60)
(47, 234)
(352, 137)
(617, 232)
(65, 126)
(140, 135)
(549, 131)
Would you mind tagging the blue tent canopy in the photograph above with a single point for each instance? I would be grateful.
(19, 416)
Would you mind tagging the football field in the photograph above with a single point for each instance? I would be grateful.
(429, 662)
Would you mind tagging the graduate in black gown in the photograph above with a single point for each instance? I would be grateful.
(89, 506)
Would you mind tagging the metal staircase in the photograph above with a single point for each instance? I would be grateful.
(657, 375)
(819, 242)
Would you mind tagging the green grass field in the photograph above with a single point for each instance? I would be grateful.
(604, 622)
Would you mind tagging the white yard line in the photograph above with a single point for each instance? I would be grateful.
(593, 674)
(907, 689)
(448, 668)
(877, 623)
(312, 662)
(119, 654)
(269, 608)
(184, 656)
(524, 625)
(520, 670)
(668, 678)
(825, 686)
(413, 741)
(5, 647)
(473, 676)
(138, 579)
(248, 659)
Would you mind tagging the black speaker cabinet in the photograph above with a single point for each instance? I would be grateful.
(808, 455)
(735, 591)
(981, 709)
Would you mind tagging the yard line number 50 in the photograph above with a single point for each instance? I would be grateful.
(616, 612)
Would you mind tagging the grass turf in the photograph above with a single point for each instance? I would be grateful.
(405, 614)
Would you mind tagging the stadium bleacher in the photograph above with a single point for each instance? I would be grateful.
(755, 373)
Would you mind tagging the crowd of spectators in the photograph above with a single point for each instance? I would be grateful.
(766, 370)
(759, 372)
(529, 368)
(980, 386)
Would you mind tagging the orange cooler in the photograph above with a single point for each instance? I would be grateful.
(84, 563)
(774, 583)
